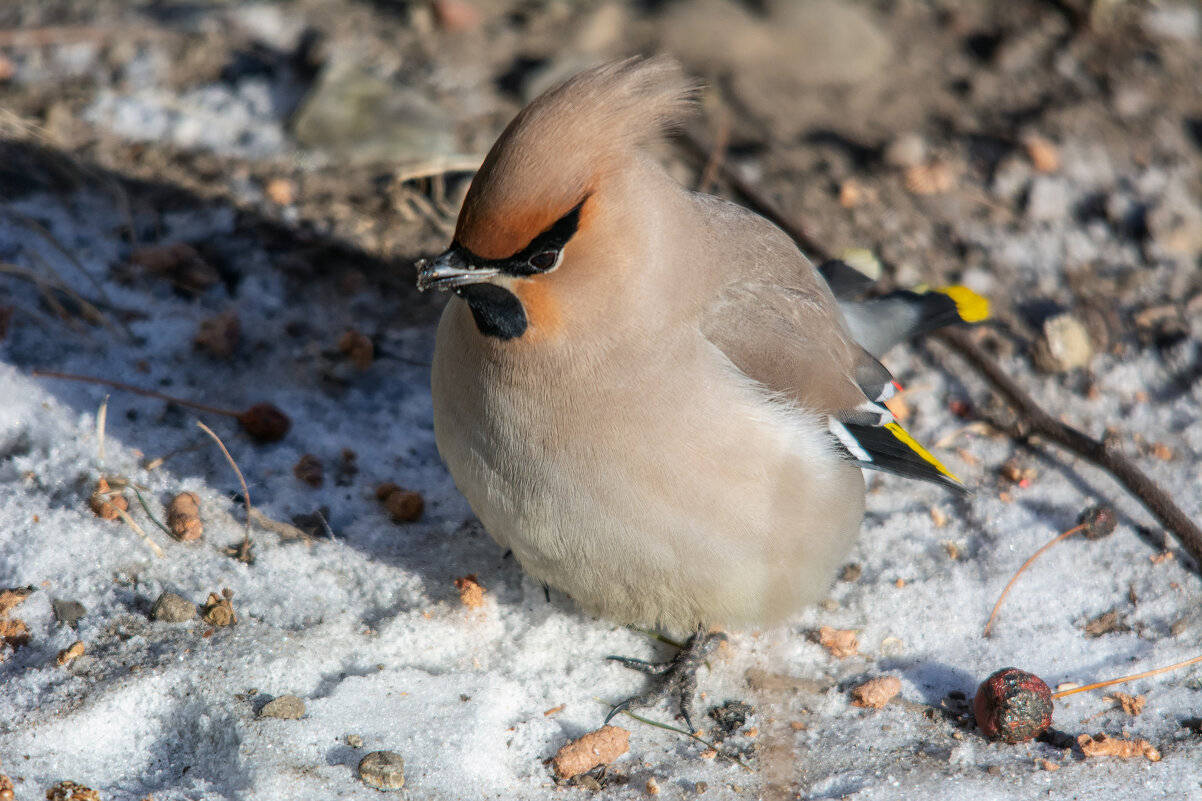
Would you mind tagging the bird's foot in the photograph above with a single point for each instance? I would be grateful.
(677, 677)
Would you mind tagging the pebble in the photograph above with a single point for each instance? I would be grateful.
(1176, 223)
(68, 612)
(354, 741)
(383, 770)
(1063, 344)
(1173, 21)
(906, 150)
(172, 608)
(1048, 200)
(286, 707)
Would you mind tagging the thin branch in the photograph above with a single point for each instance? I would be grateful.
(1100, 684)
(245, 549)
(997, 606)
(1105, 453)
(129, 521)
(149, 393)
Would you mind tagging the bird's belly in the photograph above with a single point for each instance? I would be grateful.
(667, 506)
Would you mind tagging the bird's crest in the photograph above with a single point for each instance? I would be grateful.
(553, 153)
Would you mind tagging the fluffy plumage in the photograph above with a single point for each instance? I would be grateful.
(660, 429)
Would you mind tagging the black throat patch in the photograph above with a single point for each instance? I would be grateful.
(497, 311)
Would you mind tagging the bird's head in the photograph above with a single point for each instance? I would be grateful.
(546, 210)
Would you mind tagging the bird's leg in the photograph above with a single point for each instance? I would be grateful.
(676, 677)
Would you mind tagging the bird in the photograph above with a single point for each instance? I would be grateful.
(649, 395)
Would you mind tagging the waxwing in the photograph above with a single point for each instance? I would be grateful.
(648, 394)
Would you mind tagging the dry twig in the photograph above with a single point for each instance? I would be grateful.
(262, 421)
(1034, 421)
(243, 551)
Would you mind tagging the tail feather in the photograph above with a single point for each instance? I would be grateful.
(891, 448)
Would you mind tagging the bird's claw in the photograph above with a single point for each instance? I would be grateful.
(676, 677)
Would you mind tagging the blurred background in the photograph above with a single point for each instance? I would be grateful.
(917, 130)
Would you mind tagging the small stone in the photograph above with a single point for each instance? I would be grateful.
(1048, 199)
(179, 263)
(68, 612)
(454, 16)
(933, 178)
(281, 191)
(851, 572)
(471, 591)
(1042, 152)
(652, 786)
(219, 334)
(383, 770)
(70, 654)
(358, 348)
(1179, 21)
(842, 643)
(172, 608)
(286, 707)
(70, 791)
(1013, 706)
(907, 150)
(309, 469)
(405, 506)
(875, 693)
(598, 747)
(1063, 344)
(354, 741)
(1175, 224)
(183, 517)
(1106, 623)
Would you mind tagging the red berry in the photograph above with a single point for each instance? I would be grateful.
(1013, 706)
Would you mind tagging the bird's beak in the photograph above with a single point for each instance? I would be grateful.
(450, 271)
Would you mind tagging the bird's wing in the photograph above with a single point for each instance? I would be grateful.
(779, 323)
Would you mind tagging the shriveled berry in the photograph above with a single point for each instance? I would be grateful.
(265, 422)
(1013, 706)
(1099, 521)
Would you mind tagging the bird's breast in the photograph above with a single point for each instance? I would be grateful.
(657, 487)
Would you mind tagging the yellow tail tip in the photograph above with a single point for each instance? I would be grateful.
(972, 307)
(903, 436)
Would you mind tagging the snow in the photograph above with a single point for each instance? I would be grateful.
(365, 625)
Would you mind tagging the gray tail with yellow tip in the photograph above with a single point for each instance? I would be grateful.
(880, 323)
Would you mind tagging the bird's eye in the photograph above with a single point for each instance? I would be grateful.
(545, 260)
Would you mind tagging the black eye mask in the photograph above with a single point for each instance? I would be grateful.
(542, 255)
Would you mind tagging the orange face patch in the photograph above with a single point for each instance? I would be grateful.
(543, 309)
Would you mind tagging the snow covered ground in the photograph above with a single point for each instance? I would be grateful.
(365, 625)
